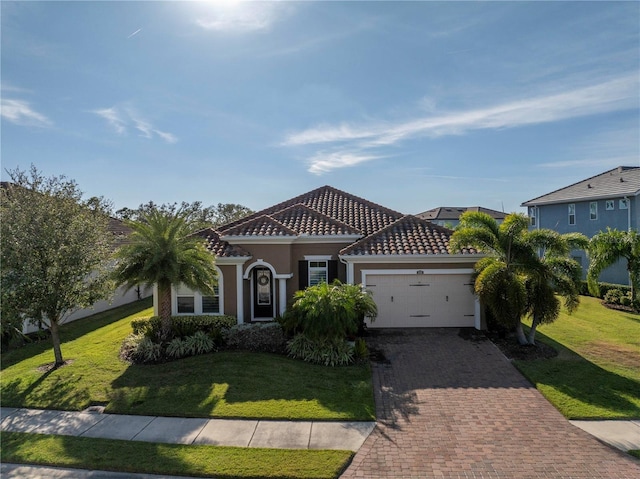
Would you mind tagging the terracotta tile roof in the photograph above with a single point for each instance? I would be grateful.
(221, 249)
(409, 235)
(357, 213)
(263, 225)
(306, 221)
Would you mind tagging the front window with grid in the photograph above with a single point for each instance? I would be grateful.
(593, 210)
(318, 272)
(194, 302)
(532, 215)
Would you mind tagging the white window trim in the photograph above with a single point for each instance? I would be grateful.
(317, 258)
(569, 215)
(623, 204)
(532, 215)
(197, 295)
(611, 203)
(591, 203)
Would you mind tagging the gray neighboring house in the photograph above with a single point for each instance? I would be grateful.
(449, 216)
(608, 200)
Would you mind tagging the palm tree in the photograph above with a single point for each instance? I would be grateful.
(162, 251)
(514, 280)
(606, 248)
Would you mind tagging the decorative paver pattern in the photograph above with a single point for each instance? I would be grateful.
(454, 408)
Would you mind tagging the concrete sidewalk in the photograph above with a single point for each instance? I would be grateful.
(623, 435)
(174, 430)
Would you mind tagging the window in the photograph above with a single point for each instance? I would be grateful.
(610, 204)
(623, 204)
(572, 214)
(211, 304)
(186, 304)
(317, 272)
(593, 210)
(532, 215)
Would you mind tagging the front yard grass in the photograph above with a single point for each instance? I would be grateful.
(596, 374)
(200, 461)
(223, 384)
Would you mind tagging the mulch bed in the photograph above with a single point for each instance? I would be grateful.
(512, 350)
(45, 368)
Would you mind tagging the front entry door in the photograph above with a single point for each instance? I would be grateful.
(262, 293)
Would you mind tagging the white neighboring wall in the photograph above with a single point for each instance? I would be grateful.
(119, 298)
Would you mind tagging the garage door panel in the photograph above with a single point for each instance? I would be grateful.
(419, 301)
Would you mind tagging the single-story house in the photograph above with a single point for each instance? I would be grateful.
(405, 261)
(449, 216)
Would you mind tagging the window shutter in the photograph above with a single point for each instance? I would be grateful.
(332, 270)
(303, 274)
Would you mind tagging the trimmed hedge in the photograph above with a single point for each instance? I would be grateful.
(604, 288)
(184, 326)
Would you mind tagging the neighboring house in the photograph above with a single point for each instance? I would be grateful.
(608, 200)
(449, 216)
(120, 297)
(264, 258)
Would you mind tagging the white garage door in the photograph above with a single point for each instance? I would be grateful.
(422, 300)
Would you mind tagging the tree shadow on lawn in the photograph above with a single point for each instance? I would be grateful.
(585, 382)
(61, 393)
(74, 330)
(246, 385)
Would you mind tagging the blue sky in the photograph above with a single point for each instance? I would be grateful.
(411, 105)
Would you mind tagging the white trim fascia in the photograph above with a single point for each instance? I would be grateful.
(324, 239)
(318, 257)
(581, 199)
(412, 258)
(239, 294)
(233, 260)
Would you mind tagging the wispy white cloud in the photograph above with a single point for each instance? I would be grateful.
(237, 16)
(122, 119)
(21, 113)
(613, 95)
(114, 119)
(325, 162)
(135, 33)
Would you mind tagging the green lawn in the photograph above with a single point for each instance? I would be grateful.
(224, 384)
(597, 372)
(201, 461)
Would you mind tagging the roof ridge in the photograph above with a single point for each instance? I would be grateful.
(257, 218)
(322, 215)
(617, 168)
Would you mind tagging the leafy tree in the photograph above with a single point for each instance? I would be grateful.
(605, 249)
(55, 251)
(162, 251)
(198, 216)
(514, 280)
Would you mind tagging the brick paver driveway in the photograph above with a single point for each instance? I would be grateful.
(453, 407)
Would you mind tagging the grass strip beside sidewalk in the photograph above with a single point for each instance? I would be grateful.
(174, 459)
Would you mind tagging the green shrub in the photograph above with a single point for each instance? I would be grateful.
(184, 326)
(139, 348)
(331, 310)
(360, 350)
(325, 351)
(199, 343)
(604, 288)
(614, 296)
(262, 337)
(177, 348)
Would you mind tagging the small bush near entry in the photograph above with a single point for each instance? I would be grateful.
(183, 326)
(333, 310)
(259, 337)
(325, 351)
(140, 349)
(360, 350)
(617, 297)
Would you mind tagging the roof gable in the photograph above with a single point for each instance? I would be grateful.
(307, 221)
(357, 213)
(454, 212)
(263, 225)
(619, 182)
(409, 235)
(222, 249)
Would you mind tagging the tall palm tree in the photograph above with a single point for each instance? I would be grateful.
(514, 280)
(608, 247)
(162, 251)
